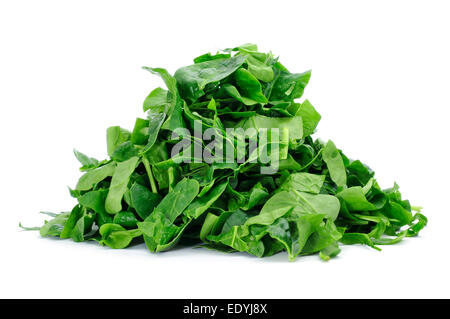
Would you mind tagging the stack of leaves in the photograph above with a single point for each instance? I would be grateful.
(316, 199)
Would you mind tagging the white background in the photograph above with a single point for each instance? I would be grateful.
(70, 69)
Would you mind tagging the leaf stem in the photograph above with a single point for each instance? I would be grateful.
(312, 161)
(150, 175)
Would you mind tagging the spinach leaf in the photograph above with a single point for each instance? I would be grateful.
(234, 93)
(191, 80)
(292, 124)
(310, 117)
(55, 226)
(83, 227)
(335, 164)
(172, 107)
(93, 177)
(140, 133)
(358, 173)
(289, 86)
(259, 69)
(155, 122)
(201, 204)
(250, 86)
(95, 200)
(124, 152)
(355, 199)
(277, 206)
(117, 237)
(208, 57)
(159, 228)
(155, 100)
(74, 216)
(115, 136)
(255, 196)
(318, 204)
(143, 200)
(293, 235)
(87, 163)
(125, 219)
(303, 182)
(119, 183)
(296, 203)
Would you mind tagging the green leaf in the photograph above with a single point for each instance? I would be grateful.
(277, 206)
(330, 251)
(260, 70)
(250, 86)
(234, 93)
(355, 199)
(74, 216)
(55, 226)
(289, 86)
(172, 108)
(158, 227)
(86, 162)
(294, 234)
(208, 57)
(318, 204)
(143, 200)
(304, 182)
(310, 117)
(125, 219)
(155, 100)
(91, 178)
(124, 152)
(191, 80)
(155, 122)
(140, 133)
(119, 184)
(292, 124)
(115, 136)
(117, 237)
(201, 204)
(95, 200)
(358, 238)
(335, 164)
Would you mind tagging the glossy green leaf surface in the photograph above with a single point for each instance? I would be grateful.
(273, 191)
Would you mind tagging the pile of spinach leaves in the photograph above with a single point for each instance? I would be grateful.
(317, 199)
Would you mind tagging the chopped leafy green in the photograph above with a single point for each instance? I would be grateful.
(225, 158)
